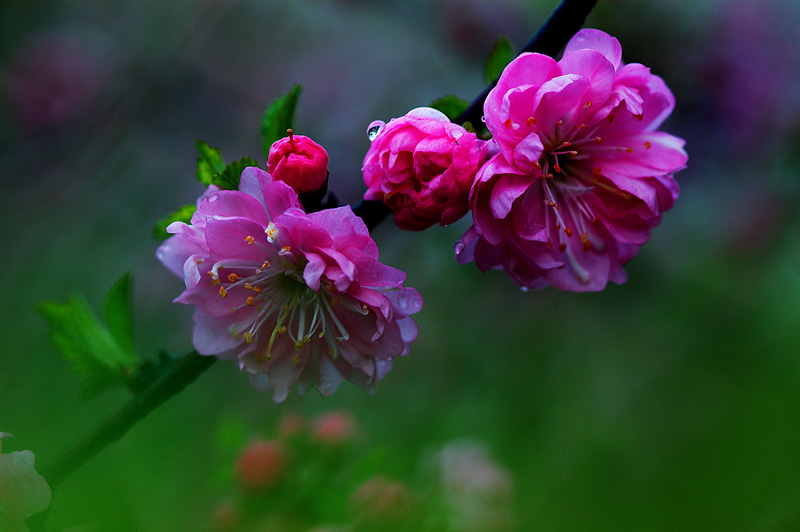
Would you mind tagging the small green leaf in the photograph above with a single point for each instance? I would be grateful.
(210, 162)
(118, 313)
(184, 214)
(229, 177)
(279, 117)
(501, 55)
(88, 344)
(450, 105)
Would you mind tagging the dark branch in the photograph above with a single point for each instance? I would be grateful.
(556, 32)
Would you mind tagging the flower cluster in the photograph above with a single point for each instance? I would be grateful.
(577, 173)
(293, 296)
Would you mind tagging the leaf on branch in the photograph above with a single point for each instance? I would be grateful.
(229, 177)
(118, 313)
(210, 162)
(102, 353)
(450, 105)
(183, 214)
(500, 55)
(279, 117)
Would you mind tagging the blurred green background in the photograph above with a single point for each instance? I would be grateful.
(671, 402)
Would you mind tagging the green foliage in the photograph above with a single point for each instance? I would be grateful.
(102, 353)
(229, 177)
(183, 214)
(279, 117)
(209, 164)
(500, 55)
(450, 105)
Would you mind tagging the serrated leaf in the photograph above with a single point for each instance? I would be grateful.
(88, 345)
(279, 117)
(118, 313)
(229, 177)
(209, 163)
(500, 55)
(183, 214)
(450, 105)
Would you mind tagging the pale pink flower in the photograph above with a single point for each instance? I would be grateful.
(295, 297)
(299, 162)
(422, 166)
(582, 175)
(23, 491)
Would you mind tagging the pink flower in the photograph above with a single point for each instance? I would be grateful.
(300, 162)
(422, 166)
(295, 297)
(582, 175)
(261, 465)
(23, 491)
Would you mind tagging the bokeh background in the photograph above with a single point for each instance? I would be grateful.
(671, 402)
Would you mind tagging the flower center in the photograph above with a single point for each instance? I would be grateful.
(282, 303)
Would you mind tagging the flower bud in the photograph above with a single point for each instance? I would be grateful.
(261, 465)
(333, 428)
(380, 500)
(300, 162)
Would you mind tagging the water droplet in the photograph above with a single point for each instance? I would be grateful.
(459, 246)
(374, 128)
(524, 288)
(483, 119)
(212, 198)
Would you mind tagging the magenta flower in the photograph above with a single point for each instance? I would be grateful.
(295, 297)
(422, 166)
(299, 162)
(582, 175)
(23, 491)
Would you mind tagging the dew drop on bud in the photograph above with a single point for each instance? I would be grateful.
(374, 128)
(458, 247)
(212, 198)
(524, 288)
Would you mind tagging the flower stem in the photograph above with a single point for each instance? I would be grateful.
(554, 34)
(169, 376)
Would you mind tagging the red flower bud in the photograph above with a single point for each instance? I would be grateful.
(333, 428)
(300, 162)
(261, 465)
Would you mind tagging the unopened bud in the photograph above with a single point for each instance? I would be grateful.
(261, 465)
(300, 162)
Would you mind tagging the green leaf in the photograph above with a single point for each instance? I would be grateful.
(501, 55)
(210, 162)
(279, 117)
(118, 313)
(229, 177)
(450, 105)
(184, 214)
(90, 346)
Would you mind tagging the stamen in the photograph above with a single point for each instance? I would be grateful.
(610, 118)
(285, 250)
(598, 140)
(291, 138)
(647, 145)
(557, 168)
(272, 232)
(562, 247)
(250, 301)
(629, 149)
(223, 292)
(531, 121)
(233, 277)
(585, 241)
(250, 240)
(559, 123)
(587, 104)
(568, 231)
